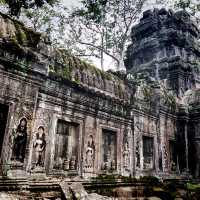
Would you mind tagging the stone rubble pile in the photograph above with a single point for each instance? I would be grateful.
(77, 191)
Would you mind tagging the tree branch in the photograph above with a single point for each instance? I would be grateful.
(99, 48)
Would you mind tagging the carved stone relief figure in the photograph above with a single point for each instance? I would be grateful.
(152, 126)
(138, 129)
(126, 150)
(126, 156)
(165, 158)
(137, 154)
(90, 153)
(140, 91)
(20, 139)
(39, 147)
(172, 156)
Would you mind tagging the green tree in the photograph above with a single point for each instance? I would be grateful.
(15, 6)
(103, 27)
(191, 6)
(51, 20)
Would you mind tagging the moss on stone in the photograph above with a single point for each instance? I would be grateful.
(158, 189)
(106, 178)
(14, 46)
(20, 34)
(68, 64)
(66, 73)
(73, 63)
(193, 187)
(147, 92)
(150, 180)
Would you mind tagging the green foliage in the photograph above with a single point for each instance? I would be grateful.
(150, 180)
(106, 178)
(128, 179)
(51, 20)
(192, 186)
(147, 91)
(15, 6)
(168, 97)
(99, 30)
(70, 64)
(158, 189)
(93, 9)
(20, 34)
(183, 4)
(101, 178)
(191, 6)
(66, 73)
(103, 27)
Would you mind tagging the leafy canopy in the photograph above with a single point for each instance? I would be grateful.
(15, 6)
(93, 9)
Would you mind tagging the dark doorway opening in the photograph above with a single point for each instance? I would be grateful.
(66, 145)
(109, 150)
(148, 152)
(3, 121)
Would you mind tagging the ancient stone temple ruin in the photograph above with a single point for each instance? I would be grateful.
(62, 117)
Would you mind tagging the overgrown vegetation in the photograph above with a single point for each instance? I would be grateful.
(97, 30)
(149, 186)
(15, 6)
(71, 64)
(151, 180)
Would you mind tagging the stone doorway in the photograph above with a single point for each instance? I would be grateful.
(3, 122)
(109, 150)
(148, 152)
(66, 146)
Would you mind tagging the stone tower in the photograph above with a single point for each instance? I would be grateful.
(165, 47)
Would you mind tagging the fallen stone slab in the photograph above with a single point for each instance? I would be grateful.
(154, 198)
(66, 190)
(94, 196)
(78, 191)
(6, 196)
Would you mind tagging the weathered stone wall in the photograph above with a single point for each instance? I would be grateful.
(80, 120)
(20, 95)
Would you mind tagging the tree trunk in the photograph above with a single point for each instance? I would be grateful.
(102, 47)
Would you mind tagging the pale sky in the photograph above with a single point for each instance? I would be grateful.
(70, 3)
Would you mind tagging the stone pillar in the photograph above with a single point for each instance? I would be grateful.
(132, 152)
(127, 164)
(163, 144)
(156, 156)
(138, 153)
(141, 154)
(52, 138)
(186, 145)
